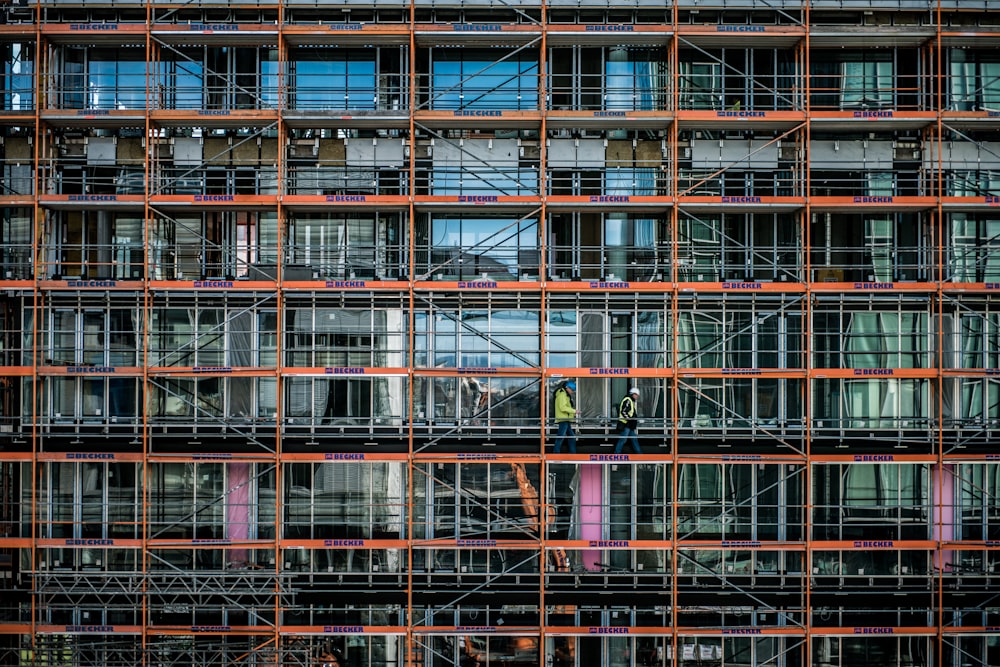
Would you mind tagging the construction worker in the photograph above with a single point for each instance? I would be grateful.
(628, 422)
(566, 413)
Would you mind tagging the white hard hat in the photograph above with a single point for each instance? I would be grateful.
(634, 390)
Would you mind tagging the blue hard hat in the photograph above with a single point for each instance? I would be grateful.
(571, 385)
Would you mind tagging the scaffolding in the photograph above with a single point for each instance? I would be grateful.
(288, 288)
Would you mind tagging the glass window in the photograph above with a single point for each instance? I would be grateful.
(634, 79)
(15, 242)
(477, 79)
(333, 245)
(480, 179)
(353, 245)
(886, 340)
(698, 342)
(333, 79)
(270, 70)
(889, 403)
(883, 403)
(979, 336)
(183, 84)
(93, 337)
(89, 500)
(737, 501)
(18, 77)
(866, 84)
(343, 500)
(973, 183)
(872, 501)
(499, 338)
(495, 248)
(701, 85)
(699, 250)
(980, 400)
(562, 341)
(884, 487)
(975, 80)
(752, 246)
(93, 399)
(186, 500)
(116, 80)
(979, 500)
(853, 79)
(974, 251)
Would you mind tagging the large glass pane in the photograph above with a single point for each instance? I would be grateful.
(270, 70)
(343, 500)
(886, 340)
(15, 243)
(866, 84)
(699, 341)
(71, 80)
(619, 73)
(963, 81)
(476, 79)
(63, 338)
(974, 79)
(18, 77)
(501, 338)
(699, 250)
(334, 79)
(343, 246)
(115, 81)
(989, 81)
(632, 81)
(974, 253)
(183, 84)
(701, 85)
(490, 248)
(888, 403)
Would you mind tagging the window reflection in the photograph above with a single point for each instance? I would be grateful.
(460, 248)
(18, 86)
(482, 79)
(975, 80)
(334, 79)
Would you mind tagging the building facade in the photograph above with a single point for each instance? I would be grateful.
(288, 287)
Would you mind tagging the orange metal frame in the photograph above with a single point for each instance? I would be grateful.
(795, 123)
